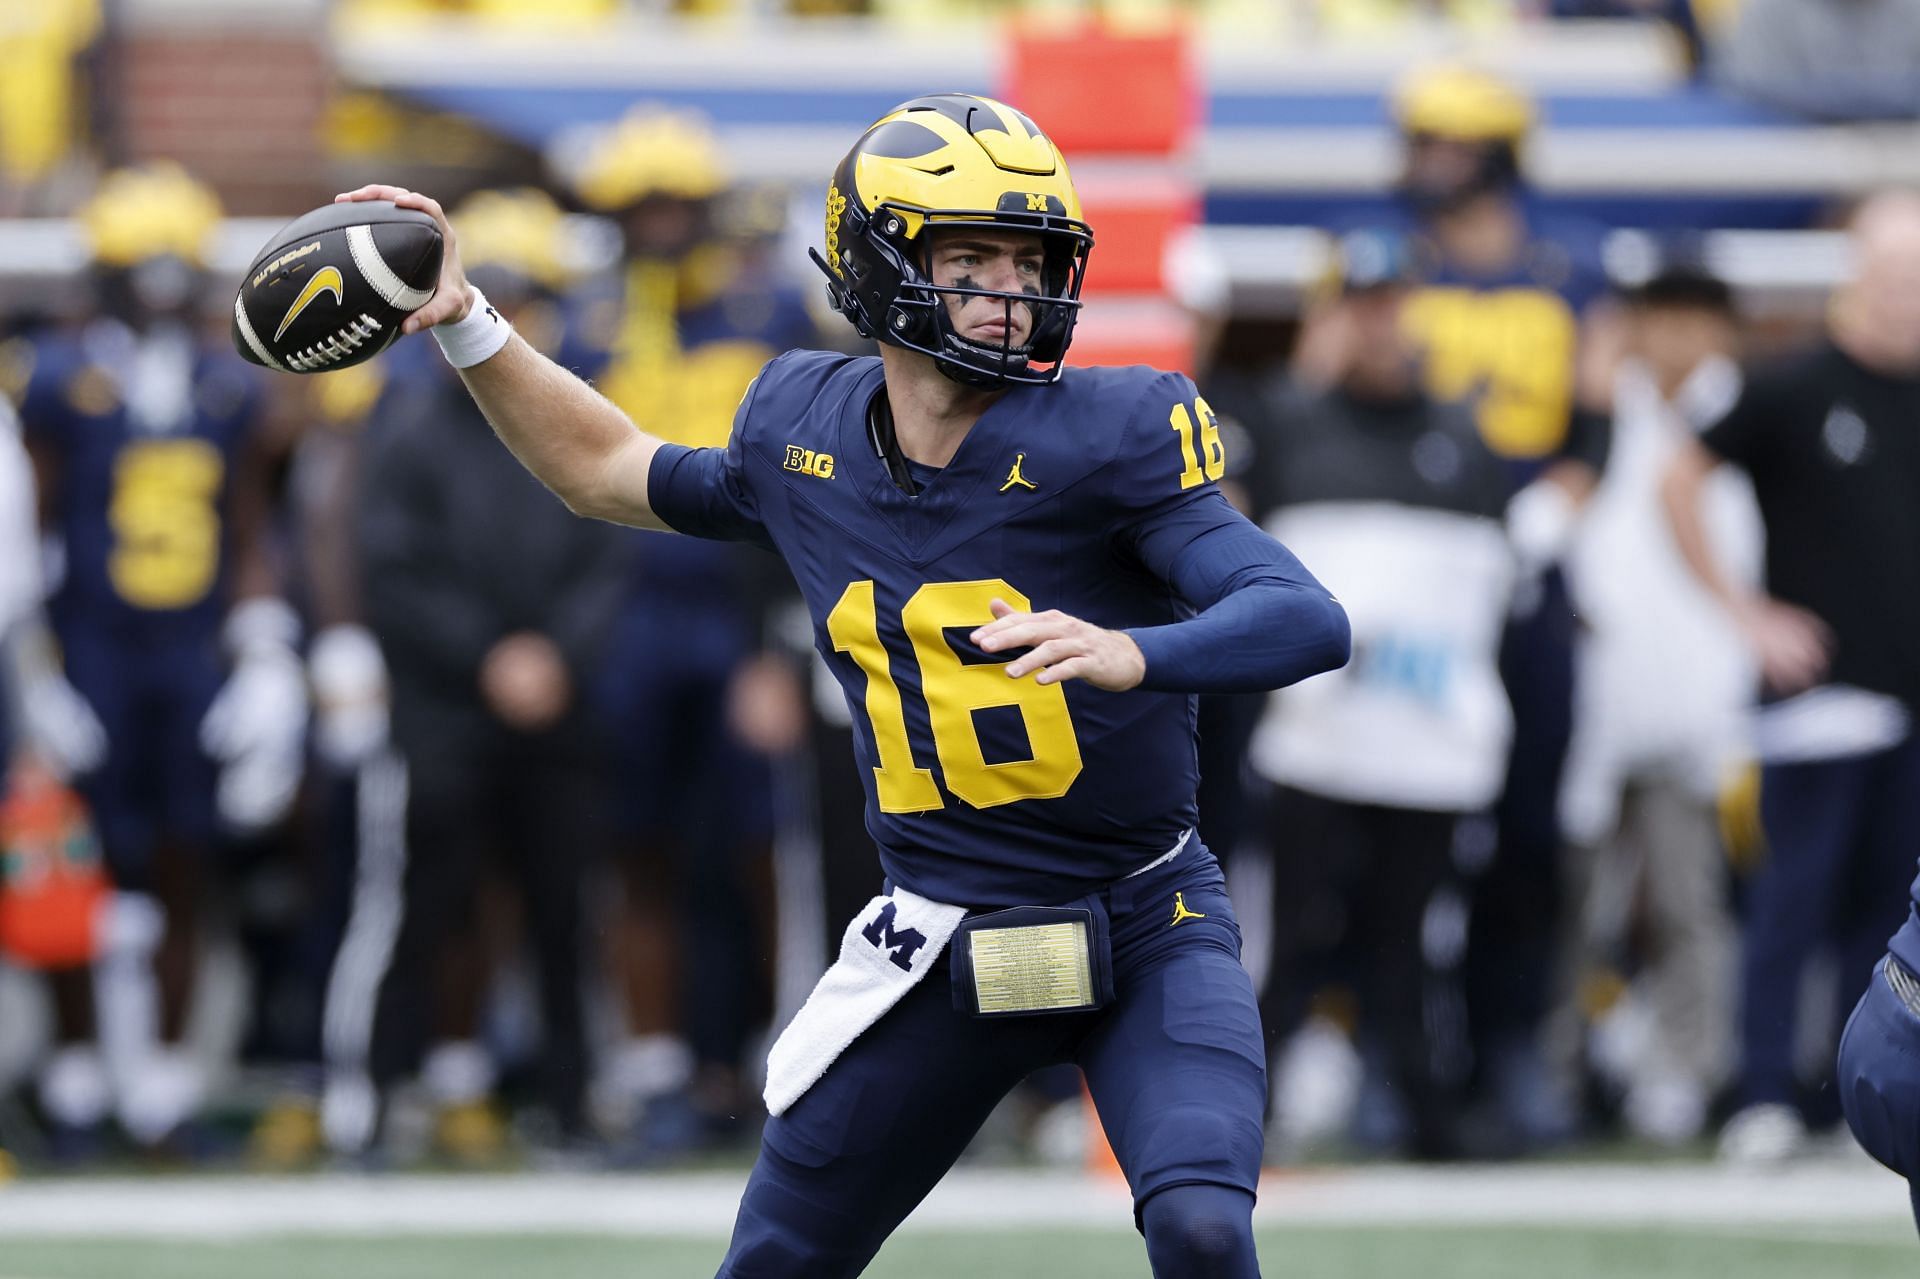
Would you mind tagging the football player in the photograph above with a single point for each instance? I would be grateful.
(1020, 574)
(145, 434)
(40, 713)
(692, 316)
(1505, 320)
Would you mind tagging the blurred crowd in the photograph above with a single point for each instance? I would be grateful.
(1830, 59)
(1306, 17)
(364, 804)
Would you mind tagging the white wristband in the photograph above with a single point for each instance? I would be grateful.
(478, 337)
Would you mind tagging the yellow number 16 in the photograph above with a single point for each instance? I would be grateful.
(1209, 462)
(954, 691)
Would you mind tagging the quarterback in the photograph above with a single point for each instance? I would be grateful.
(1021, 574)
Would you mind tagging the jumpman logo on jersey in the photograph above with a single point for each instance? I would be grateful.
(1014, 477)
(1180, 911)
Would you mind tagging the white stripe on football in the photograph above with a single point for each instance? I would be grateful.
(331, 288)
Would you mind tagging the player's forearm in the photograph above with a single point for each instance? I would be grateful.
(1264, 621)
(1268, 633)
(569, 435)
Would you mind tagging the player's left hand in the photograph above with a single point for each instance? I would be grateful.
(1063, 648)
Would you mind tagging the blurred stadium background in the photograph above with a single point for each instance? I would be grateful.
(275, 1071)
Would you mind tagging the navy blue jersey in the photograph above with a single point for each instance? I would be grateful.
(981, 790)
(1507, 342)
(145, 436)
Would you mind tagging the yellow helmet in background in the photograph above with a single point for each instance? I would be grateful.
(518, 230)
(651, 151)
(150, 211)
(1462, 104)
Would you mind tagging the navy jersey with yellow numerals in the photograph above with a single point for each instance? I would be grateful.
(1508, 342)
(981, 790)
(145, 438)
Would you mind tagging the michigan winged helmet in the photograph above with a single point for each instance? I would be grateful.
(940, 162)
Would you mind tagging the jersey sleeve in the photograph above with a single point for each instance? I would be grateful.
(1255, 618)
(708, 492)
(1171, 454)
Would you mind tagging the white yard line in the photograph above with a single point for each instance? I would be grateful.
(1618, 1196)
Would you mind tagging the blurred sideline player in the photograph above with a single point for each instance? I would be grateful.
(51, 884)
(692, 315)
(1664, 681)
(314, 988)
(1499, 323)
(40, 713)
(1054, 845)
(1376, 769)
(1827, 437)
(491, 607)
(50, 879)
(148, 437)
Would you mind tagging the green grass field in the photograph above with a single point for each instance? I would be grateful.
(1431, 1253)
(1839, 1220)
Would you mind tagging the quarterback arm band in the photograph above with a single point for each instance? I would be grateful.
(478, 337)
(1264, 621)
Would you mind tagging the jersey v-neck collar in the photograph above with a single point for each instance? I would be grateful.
(917, 519)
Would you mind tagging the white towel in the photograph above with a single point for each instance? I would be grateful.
(885, 952)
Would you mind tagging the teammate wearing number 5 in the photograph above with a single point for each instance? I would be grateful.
(1020, 575)
(149, 445)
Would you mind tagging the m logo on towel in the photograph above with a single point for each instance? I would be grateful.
(900, 944)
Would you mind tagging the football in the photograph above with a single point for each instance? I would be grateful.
(331, 288)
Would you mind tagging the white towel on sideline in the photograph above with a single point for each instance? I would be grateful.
(886, 950)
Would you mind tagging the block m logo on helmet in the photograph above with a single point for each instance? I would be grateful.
(951, 162)
(900, 944)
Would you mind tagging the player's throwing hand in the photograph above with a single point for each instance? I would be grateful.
(1062, 648)
(451, 297)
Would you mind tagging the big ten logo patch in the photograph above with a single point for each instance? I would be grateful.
(807, 462)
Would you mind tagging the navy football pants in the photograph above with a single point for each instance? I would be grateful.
(1175, 1065)
(1879, 1079)
(154, 793)
(1841, 840)
(692, 802)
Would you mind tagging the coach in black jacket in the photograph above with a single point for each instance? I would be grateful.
(491, 603)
